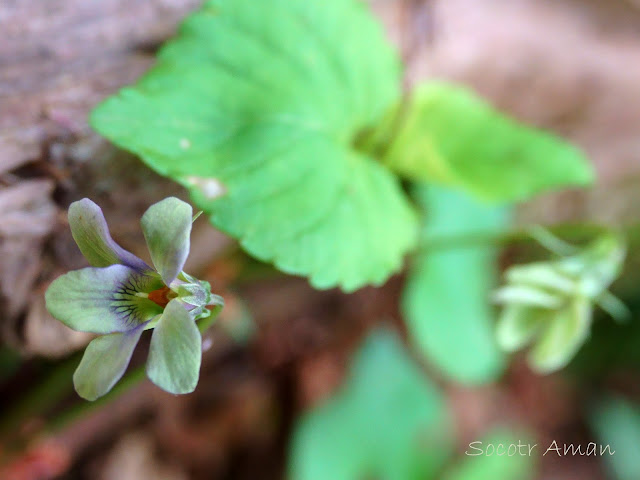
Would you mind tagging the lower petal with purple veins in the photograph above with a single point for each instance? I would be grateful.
(104, 300)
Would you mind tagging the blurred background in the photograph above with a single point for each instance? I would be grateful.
(280, 347)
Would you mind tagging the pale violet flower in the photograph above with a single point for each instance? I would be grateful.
(120, 296)
(550, 304)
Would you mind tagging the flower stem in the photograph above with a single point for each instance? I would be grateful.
(50, 390)
(58, 384)
(131, 379)
(576, 231)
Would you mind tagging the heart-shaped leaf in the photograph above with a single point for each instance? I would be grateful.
(256, 107)
(454, 138)
(387, 422)
(446, 299)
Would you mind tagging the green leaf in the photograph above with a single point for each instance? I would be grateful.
(498, 459)
(452, 137)
(104, 362)
(176, 351)
(167, 227)
(616, 423)
(262, 102)
(387, 422)
(446, 299)
(102, 300)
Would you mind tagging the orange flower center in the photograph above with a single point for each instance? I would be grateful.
(160, 296)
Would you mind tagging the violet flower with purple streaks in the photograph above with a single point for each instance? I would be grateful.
(120, 296)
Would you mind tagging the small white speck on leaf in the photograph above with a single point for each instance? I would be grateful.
(210, 187)
(185, 144)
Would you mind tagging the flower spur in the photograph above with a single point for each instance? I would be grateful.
(120, 296)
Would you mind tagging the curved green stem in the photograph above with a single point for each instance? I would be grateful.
(52, 388)
(131, 379)
(577, 231)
